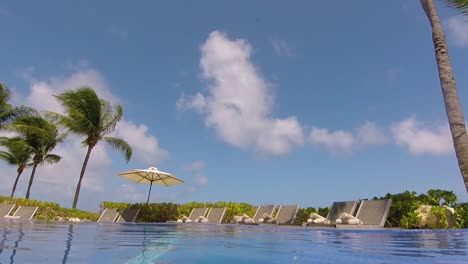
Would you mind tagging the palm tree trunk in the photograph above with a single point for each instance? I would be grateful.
(449, 89)
(16, 183)
(83, 169)
(31, 180)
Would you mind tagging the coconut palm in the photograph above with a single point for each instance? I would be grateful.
(89, 116)
(41, 136)
(18, 154)
(449, 89)
(7, 111)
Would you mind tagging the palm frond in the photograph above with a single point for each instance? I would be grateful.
(7, 157)
(121, 145)
(52, 158)
(112, 119)
(4, 93)
(461, 5)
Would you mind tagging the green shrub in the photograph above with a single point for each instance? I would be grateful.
(461, 215)
(303, 214)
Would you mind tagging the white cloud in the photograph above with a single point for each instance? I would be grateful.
(61, 178)
(145, 147)
(195, 166)
(420, 139)
(196, 102)
(458, 30)
(129, 193)
(240, 101)
(341, 142)
(201, 180)
(336, 142)
(370, 134)
(282, 48)
(42, 92)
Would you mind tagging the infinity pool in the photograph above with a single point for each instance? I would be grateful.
(52, 242)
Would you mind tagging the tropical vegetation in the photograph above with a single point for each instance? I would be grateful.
(16, 154)
(33, 136)
(93, 118)
(37, 136)
(402, 211)
(7, 111)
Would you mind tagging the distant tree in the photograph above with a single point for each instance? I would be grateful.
(449, 88)
(89, 116)
(18, 154)
(41, 136)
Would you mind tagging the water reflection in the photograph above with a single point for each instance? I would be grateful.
(204, 243)
(4, 247)
(68, 243)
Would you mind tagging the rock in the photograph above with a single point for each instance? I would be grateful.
(425, 217)
(436, 216)
(450, 214)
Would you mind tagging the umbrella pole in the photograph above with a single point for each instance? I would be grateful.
(151, 185)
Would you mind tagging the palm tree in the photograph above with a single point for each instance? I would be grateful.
(89, 116)
(7, 111)
(449, 89)
(41, 136)
(17, 153)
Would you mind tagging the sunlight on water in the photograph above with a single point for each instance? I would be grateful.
(51, 242)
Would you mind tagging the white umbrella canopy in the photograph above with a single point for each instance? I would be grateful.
(151, 176)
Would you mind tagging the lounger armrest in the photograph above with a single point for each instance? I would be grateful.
(12, 216)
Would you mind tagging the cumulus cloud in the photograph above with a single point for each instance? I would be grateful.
(370, 134)
(282, 48)
(336, 142)
(419, 139)
(341, 142)
(145, 146)
(239, 102)
(195, 166)
(458, 30)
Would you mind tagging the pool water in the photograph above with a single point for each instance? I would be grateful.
(53, 242)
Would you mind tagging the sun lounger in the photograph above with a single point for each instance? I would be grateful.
(5, 209)
(196, 214)
(335, 212)
(128, 215)
(216, 215)
(373, 214)
(108, 215)
(24, 213)
(263, 209)
(286, 215)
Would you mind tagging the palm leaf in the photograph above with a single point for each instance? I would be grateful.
(112, 120)
(121, 145)
(461, 5)
(52, 158)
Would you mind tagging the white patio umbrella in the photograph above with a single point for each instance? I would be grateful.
(152, 176)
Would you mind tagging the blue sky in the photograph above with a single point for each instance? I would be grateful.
(259, 102)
